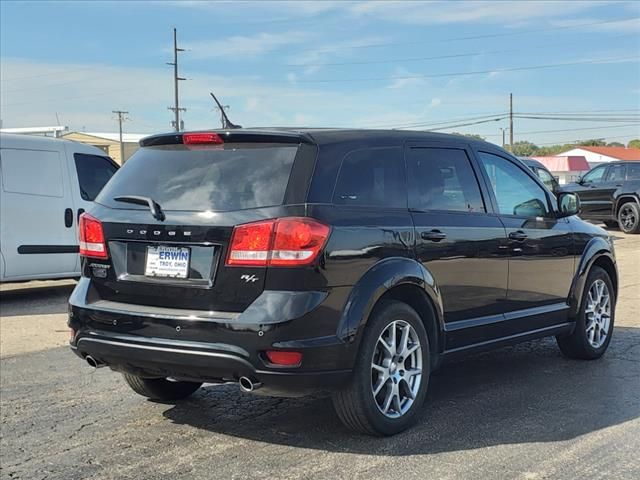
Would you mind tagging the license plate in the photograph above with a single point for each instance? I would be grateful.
(163, 261)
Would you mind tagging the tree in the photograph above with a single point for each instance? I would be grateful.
(470, 135)
(594, 142)
(524, 149)
(635, 143)
(615, 144)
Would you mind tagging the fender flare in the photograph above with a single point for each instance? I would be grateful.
(620, 199)
(597, 248)
(379, 279)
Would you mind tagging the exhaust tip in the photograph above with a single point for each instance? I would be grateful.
(248, 385)
(93, 362)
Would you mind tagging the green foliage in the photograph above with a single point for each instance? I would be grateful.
(595, 142)
(635, 143)
(524, 149)
(615, 144)
(470, 135)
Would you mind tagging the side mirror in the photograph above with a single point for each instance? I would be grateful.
(579, 180)
(568, 204)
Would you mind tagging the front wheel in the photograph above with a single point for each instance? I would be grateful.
(594, 324)
(160, 389)
(629, 217)
(391, 374)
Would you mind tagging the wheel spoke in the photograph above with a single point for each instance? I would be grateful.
(379, 368)
(407, 389)
(412, 373)
(396, 402)
(387, 400)
(382, 381)
(404, 341)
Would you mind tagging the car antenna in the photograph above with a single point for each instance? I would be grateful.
(226, 123)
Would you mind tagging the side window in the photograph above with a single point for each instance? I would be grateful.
(616, 173)
(594, 175)
(372, 177)
(34, 172)
(546, 178)
(93, 172)
(516, 193)
(633, 171)
(442, 179)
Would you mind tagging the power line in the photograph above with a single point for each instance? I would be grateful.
(580, 119)
(473, 37)
(466, 124)
(535, 132)
(477, 72)
(442, 57)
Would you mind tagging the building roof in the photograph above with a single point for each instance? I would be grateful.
(621, 153)
(572, 163)
(115, 137)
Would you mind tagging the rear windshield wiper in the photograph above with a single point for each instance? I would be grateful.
(154, 206)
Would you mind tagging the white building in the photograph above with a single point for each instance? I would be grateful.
(598, 155)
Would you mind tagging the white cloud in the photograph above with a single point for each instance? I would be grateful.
(244, 46)
(442, 12)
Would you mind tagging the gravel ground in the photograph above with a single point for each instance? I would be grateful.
(522, 412)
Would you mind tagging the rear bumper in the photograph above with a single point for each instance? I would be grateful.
(218, 346)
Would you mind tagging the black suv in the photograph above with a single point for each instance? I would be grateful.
(353, 261)
(611, 194)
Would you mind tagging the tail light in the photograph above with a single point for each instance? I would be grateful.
(280, 242)
(92, 243)
(202, 138)
(285, 359)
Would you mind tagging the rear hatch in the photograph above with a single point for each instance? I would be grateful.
(171, 251)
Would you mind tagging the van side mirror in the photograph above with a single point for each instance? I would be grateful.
(568, 204)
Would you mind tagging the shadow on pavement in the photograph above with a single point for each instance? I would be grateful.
(35, 300)
(521, 394)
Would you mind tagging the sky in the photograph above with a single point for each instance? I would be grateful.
(380, 64)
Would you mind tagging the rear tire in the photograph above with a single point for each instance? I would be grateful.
(394, 360)
(629, 217)
(594, 324)
(160, 389)
(611, 224)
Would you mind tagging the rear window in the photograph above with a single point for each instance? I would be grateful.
(221, 178)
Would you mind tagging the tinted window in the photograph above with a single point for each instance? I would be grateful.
(93, 173)
(546, 178)
(373, 177)
(516, 192)
(633, 171)
(594, 175)
(616, 173)
(442, 179)
(35, 172)
(229, 177)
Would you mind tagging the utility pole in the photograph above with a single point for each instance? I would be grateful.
(121, 118)
(511, 122)
(176, 106)
(503, 130)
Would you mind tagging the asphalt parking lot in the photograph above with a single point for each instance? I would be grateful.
(523, 412)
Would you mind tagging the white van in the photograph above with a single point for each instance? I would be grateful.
(46, 184)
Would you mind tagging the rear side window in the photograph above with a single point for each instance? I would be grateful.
(633, 171)
(372, 177)
(616, 173)
(442, 179)
(220, 178)
(34, 172)
(94, 172)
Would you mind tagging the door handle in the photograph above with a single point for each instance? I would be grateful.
(80, 212)
(433, 235)
(518, 235)
(68, 217)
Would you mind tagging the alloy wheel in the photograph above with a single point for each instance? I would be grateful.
(627, 217)
(396, 369)
(598, 313)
